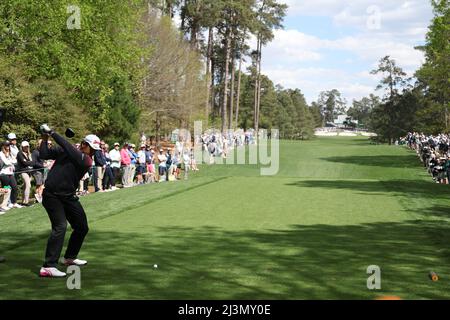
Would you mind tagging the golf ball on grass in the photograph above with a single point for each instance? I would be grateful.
(155, 266)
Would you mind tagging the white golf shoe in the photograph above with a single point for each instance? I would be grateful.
(51, 273)
(38, 198)
(73, 262)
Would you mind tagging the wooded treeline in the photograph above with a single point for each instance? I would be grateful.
(133, 66)
(126, 68)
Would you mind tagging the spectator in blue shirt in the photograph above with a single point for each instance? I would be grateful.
(133, 157)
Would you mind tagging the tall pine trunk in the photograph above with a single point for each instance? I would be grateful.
(238, 95)
(258, 107)
(255, 105)
(194, 37)
(227, 73)
(233, 75)
(208, 104)
(183, 17)
(447, 118)
(213, 94)
(170, 10)
(158, 127)
(195, 29)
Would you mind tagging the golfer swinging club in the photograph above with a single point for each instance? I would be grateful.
(60, 200)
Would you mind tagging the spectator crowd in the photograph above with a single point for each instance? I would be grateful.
(122, 166)
(433, 151)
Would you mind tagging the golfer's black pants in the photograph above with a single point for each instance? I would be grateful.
(11, 181)
(61, 209)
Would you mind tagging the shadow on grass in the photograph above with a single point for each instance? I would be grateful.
(302, 262)
(438, 211)
(407, 188)
(388, 161)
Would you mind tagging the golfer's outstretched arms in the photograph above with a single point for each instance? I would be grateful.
(79, 158)
(46, 153)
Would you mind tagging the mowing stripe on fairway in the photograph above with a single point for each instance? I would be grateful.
(122, 210)
(163, 197)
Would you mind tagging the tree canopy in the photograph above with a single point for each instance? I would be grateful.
(120, 68)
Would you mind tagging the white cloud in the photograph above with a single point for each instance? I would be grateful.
(292, 46)
(403, 20)
(406, 20)
(371, 49)
(295, 46)
(394, 8)
(317, 7)
(299, 60)
(284, 62)
(314, 80)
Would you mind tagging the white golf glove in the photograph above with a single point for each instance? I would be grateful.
(46, 129)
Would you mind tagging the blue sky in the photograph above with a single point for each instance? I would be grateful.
(333, 44)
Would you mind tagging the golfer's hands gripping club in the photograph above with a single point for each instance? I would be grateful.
(46, 131)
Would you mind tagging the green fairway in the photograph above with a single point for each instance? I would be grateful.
(337, 206)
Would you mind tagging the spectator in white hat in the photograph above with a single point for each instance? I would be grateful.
(7, 178)
(162, 169)
(12, 138)
(116, 160)
(133, 166)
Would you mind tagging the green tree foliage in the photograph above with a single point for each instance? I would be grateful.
(434, 75)
(331, 104)
(84, 60)
(282, 109)
(393, 119)
(172, 92)
(316, 112)
(127, 69)
(269, 16)
(361, 109)
(124, 112)
(107, 67)
(29, 102)
(425, 106)
(387, 119)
